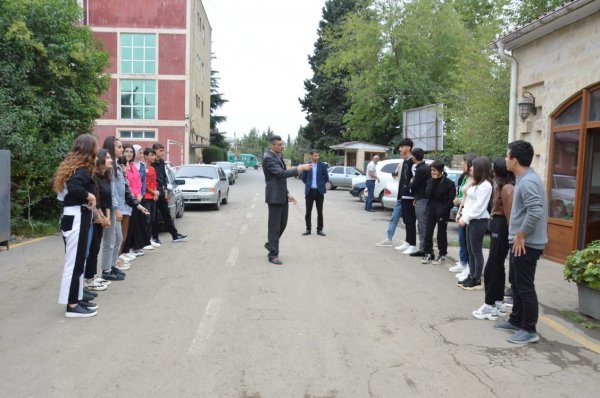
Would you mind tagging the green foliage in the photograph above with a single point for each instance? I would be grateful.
(213, 154)
(255, 142)
(51, 79)
(583, 266)
(216, 101)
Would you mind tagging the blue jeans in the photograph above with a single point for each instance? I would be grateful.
(371, 191)
(462, 241)
(396, 214)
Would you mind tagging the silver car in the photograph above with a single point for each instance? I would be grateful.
(229, 170)
(341, 176)
(203, 184)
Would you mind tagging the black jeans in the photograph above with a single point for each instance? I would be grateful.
(442, 235)
(278, 216)
(312, 197)
(475, 233)
(525, 303)
(163, 207)
(150, 205)
(409, 218)
(91, 264)
(494, 275)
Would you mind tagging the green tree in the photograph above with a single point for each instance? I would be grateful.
(52, 77)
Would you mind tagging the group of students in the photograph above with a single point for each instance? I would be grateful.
(506, 198)
(109, 197)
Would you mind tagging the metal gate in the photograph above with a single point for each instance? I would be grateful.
(4, 197)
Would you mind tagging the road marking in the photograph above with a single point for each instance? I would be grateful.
(249, 215)
(233, 255)
(12, 246)
(205, 329)
(243, 229)
(590, 345)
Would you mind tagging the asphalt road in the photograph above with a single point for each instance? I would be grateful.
(212, 318)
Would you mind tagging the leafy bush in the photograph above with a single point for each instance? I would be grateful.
(213, 154)
(583, 266)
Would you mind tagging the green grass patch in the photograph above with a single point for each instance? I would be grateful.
(35, 229)
(579, 319)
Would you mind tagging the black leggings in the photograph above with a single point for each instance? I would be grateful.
(494, 274)
(475, 233)
(442, 236)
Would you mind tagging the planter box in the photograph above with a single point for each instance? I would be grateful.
(589, 301)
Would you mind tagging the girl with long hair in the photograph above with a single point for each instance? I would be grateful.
(475, 218)
(77, 193)
(494, 274)
(101, 220)
(133, 231)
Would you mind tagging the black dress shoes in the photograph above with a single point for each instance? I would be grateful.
(275, 260)
(307, 232)
(267, 246)
(321, 233)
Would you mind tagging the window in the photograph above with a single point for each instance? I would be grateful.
(138, 99)
(571, 115)
(595, 106)
(138, 53)
(137, 134)
(389, 168)
(337, 170)
(564, 170)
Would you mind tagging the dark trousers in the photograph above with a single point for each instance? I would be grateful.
(475, 233)
(462, 241)
(370, 184)
(91, 264)
(162, 206)
(135, 235)
(494, 275)
(409, 218)
(312, 197)
(149, 220)
(525, 303)
(442, 236)
(278, 216)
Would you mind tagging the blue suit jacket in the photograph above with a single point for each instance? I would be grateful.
(322, 178)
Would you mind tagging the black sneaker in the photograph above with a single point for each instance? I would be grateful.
(474, 284)
(87, 296)
(117, 271)
(88, 305)
(112, 276)
(418, 253)
(426, 259)
(79, 312)
(180, 238)
(89, 292)
(466, 280)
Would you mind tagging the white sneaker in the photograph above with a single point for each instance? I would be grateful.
(458, 268)
(500, 308)
(125, 258)
(91, 284)
(135, 253)
(384, 243)
(102, 281)
(149, 247)
(123, 266)
(154, 243)
(462, 276)
(485, 312)
(402, 247)
(129, 256)
(410, 250)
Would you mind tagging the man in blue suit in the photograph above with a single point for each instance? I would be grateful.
(314, 191)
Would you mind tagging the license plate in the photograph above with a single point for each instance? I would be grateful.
(191, 197)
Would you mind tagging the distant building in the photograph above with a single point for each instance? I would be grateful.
(160, 55)
(556, 60)
(358, 153)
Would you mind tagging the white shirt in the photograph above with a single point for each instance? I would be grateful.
(371, 168)
(477, 201)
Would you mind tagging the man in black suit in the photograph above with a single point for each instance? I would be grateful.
(277, 195)
(314, 191)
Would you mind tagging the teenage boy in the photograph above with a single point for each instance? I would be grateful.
(418, 185)
(151, 195)
(407, 198)
(162, 204)
(528, 235)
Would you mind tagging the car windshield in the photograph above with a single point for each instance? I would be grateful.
(224, 165)
(197, 172)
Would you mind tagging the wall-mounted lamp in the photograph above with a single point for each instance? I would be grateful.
(527, 105)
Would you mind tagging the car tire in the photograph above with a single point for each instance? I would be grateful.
(225, 200)
(381, 199)
(217, 206)
(329, 186)
(361, 196)
(180, 212)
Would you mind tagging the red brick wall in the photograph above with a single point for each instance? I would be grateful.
(112, 97)
(167, 14)
(111, 44)
(171, 54)
(171, 104)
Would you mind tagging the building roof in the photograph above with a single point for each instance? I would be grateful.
(570, 12)
(366, 146)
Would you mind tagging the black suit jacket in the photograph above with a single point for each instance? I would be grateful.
(276, 176)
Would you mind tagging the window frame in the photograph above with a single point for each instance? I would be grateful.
(145, 61)
(132, 130)
(132, 107)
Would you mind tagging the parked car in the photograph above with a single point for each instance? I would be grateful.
(241, 167)
(341, 176)
(384, 169)
(357, 190)
(203, 184)
(176, 204)
(229, 171)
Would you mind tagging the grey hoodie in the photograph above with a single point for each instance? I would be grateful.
(529, 211)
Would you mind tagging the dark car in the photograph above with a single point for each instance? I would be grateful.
(358, 191)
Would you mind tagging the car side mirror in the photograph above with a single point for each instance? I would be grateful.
(180, 182)
(356, 173)
(223, 178)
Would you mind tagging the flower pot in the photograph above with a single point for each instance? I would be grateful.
(589, 301)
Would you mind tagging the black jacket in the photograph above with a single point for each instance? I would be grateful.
(441, 193)
(79, 185)
(161, 176)
(276, 177)
(418, 184)
(406, 175)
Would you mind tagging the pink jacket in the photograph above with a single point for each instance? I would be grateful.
(134, 179)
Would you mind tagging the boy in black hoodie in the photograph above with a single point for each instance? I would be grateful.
(418, 184)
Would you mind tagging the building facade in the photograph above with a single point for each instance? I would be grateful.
(556, 64)
(160, 64)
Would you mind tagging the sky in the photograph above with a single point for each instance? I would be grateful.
(261, 49)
